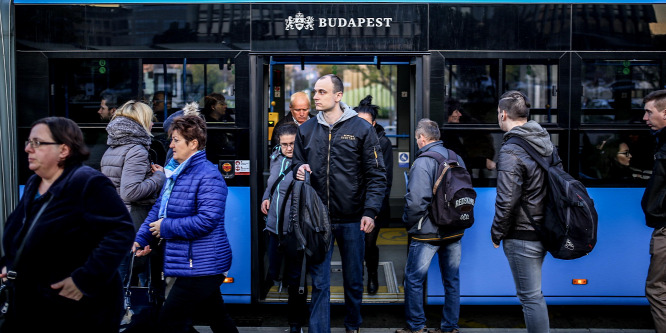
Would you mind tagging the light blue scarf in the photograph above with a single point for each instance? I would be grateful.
(172, 170)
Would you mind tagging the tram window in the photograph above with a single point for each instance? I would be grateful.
(616, 158)
(81, 85)
(613, 90)
(473, 84)
(539, 83)
(170, 92)
(359, 81)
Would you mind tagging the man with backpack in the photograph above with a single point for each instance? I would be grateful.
(428, 237)
(653, 204)
(342, 153)
(521, 197)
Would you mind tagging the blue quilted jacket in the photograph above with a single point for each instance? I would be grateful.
(196, 241)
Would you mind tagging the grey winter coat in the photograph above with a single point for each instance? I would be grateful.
(520, 180)
(422, 177)
(280, 164)
(126, 163)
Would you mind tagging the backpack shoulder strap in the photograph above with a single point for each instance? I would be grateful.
(277, 182)
(432, 154)
(530, 151)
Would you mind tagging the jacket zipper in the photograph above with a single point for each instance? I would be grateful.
(328, 168)
(376, 157)
(189, 253)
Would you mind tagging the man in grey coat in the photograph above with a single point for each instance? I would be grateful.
(428, 238)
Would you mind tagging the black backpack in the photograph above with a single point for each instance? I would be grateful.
(569, 228)
(453, 195)
(309, 231)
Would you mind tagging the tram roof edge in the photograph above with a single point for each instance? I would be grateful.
(119, 2)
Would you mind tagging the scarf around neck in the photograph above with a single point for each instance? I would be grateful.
(172, 170)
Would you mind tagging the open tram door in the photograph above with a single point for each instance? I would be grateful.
(396, 85)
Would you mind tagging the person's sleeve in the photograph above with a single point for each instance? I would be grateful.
(299, 157)
(211, 198)
(275, 173)
(133, 184)
(387, 153)
(654, 198)
(509, 191)
(144, 236)
(112, 224)
(374, 173)
(419, 193)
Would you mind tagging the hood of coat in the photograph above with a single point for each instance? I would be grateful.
(347, 110)
(533, 133)
(123, 130)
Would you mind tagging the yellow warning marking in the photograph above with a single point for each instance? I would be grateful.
(392, 236)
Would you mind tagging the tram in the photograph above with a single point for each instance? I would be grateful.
(585, 65)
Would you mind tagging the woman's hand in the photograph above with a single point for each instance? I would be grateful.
(264, 206)
(140, 251)
(156, 167)
(155, 227)
(68, 289)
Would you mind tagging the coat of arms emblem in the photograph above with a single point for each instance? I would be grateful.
(299, 22)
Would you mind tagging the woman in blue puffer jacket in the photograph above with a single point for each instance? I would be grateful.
(189, 217)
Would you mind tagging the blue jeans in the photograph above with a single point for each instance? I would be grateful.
(525, 259)
(418, 260)
(351, 242)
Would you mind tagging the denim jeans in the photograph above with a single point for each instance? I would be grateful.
(351, 243)
(525, 259)
(416, 269)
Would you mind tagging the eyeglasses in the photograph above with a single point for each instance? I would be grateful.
(36, 143)
(625, 153)
(287, 145)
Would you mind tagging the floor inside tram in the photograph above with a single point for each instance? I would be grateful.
(392, 243)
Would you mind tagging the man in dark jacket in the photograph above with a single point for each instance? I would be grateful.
(653, 204)
(521, 186)
(342, 153)
(428, 238)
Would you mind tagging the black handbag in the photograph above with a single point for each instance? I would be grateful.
(141, 303)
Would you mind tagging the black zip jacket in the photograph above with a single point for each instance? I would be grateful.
(654, 197)
(347, 165)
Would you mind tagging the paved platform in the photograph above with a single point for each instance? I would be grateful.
(203, 329)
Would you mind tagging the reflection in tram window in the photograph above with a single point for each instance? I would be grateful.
(616, 158)
(474, 84)
(613, 90)
(539, 83)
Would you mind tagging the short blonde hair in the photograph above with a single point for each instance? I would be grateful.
(137, 111)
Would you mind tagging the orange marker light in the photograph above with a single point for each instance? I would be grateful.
(228, 280)
(579, 281)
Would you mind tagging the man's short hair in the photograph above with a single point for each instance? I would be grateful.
(659, 98)
(515, 103)
(299, 95)
(428, 128)
(337, 82)
(110, 99)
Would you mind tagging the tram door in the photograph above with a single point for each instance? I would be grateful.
(390, 82)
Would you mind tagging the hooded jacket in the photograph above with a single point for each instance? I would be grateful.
(347, 165)
(126, 163)
(280, 164)
(654, 197)
(422, 177)
(520, 180)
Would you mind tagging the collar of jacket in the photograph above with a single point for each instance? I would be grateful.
(347, 112)
(429, 146)
(57, 186)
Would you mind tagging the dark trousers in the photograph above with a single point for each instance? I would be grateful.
(195, 297)
(655, 284)
(372, 250)
(297, 303)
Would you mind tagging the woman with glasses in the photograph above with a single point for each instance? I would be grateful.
(277, 221)
(615, 159)
(65, 239)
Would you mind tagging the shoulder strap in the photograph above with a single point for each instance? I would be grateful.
(277, 182)
(10, 273)
(432, 154)
(530, 151)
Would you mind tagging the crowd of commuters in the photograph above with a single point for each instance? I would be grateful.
(67, 243)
